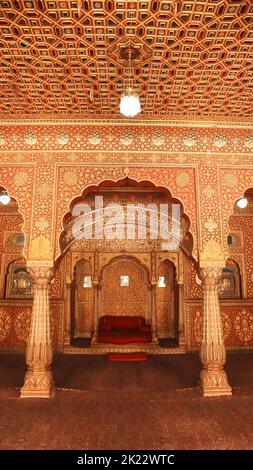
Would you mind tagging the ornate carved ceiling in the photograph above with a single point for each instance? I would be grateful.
(63, 58)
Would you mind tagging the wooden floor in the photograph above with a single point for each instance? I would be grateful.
(146, 405)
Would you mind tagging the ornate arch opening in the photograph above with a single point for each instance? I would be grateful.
(239, 243)
(135, 254)
(15, 280)
(127, 186)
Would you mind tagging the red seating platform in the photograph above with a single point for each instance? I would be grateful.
(123, 330)
(126, 357)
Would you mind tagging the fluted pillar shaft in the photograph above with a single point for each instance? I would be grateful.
(38, 379)
(213, 378)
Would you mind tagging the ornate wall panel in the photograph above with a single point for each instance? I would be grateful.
(237, 321)
(11, 223)
(193, 290)
(165, 315)
(244, 253)
(56, 291)
(18, 180)
(86, 138)
(15, 318)
(234, 181)
(84, 301)
(128, 300)
(208, 167)
(73, 179)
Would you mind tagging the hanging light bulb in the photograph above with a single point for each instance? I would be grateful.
(130, 103)
(242, 203)
(5, 198)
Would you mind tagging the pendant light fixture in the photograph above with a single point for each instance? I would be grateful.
(130, 104)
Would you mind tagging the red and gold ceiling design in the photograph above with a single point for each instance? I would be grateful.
(63, 58)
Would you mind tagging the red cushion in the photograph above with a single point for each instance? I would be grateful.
(145, 328)
(124, 338)
(104, 324)
(121, 323)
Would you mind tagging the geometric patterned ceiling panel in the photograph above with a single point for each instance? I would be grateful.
(63, 58)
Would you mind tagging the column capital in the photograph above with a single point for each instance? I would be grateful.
(211, 274)
(41, 274)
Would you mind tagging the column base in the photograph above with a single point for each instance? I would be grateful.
(38, 384)
(214, 383)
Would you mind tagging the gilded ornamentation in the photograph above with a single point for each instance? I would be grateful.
(21, 178)
(94, 138)
(126, 138)
(44, 189)
(62, 138)
(220, 140)
(226, 324)
(197, 326)
(22, 324)
(30, 138)
(183, 179)
(41, 224)
(209, 192)
(40, 248)
(158, 138)
(189, 140)
(70, 178)
(2, 139)
(212, 251)
(5, 324)
(243, 324)
(210, 225)
(248, 142)
(60, 90)
(231, 180)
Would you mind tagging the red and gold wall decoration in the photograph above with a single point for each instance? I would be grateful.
(45, 166)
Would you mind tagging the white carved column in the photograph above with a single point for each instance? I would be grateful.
(213, 378)
(38, 379)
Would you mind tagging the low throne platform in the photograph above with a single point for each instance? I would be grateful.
(120, 330)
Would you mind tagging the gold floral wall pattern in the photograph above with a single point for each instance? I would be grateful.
(233, 183)
(129, 300)
(18, 181)
(45, 165)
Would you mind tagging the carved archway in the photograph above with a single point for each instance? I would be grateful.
(12, 242)
(187, 240)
